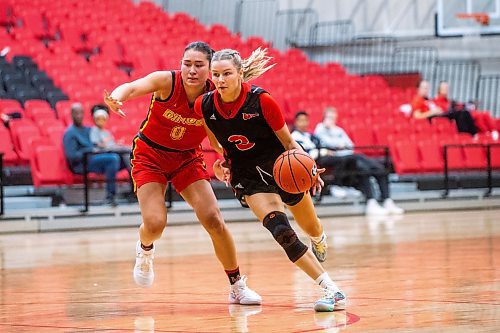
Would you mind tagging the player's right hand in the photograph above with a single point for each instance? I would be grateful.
(114, 104)
(222, 173)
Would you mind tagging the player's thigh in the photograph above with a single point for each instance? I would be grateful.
(262, 204)
(151, 198)
(201, 197)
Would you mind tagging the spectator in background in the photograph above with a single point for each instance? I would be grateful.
(482, 120)
(424, 108)
(311, 145)
(103, 139)
(353, 169)
(308, 141)
(76, 142)
(99, 135)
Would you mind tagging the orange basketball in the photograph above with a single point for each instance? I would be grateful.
(295, 171)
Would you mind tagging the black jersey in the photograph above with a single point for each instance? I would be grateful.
(247, 138)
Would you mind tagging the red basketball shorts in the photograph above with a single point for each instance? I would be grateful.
(152, 165)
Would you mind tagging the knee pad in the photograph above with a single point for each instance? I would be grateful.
(277, 223)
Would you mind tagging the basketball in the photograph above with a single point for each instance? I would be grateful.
(295, 171)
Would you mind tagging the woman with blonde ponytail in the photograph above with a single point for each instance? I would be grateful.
(245, 124)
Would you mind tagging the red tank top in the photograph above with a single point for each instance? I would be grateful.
(171, 123)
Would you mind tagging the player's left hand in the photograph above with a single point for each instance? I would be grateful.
(318, 185)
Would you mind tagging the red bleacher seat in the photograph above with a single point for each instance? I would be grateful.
(405, 157)
(7, 148)
(475, 156)
(48, 125)
(22, 137)
(444, 125)
(431, 156)
(10, 104)
(55, 135)
(495, 156)
(47, 165)
(382, 133)
(455, 157)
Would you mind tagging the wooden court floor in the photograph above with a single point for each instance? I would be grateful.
(426, 272)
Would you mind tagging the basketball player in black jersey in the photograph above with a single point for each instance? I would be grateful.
(244, 123)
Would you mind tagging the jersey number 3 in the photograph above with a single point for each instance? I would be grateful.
(241, 142)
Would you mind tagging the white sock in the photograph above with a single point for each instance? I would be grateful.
(325, 281)
(319, 238)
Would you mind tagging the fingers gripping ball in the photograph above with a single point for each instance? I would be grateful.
(295, 171)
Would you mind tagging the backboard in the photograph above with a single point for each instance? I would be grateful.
(449, 23)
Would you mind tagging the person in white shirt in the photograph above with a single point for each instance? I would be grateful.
(354, 169)
(311, 145)
(103, 139)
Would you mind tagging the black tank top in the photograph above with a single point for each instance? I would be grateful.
(247, 138)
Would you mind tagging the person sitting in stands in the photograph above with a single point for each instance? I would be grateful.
(344, 161)
(424, 108)
(103, 139)
(76, 142)
(482, 119)
(311, 145)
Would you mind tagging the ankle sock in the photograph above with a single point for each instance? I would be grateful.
(233, 275)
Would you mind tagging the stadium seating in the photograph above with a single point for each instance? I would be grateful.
(68, 50)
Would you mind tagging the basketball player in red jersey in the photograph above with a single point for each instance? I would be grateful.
(245, 124)
(167, 148)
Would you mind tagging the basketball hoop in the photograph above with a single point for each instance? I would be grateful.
(481, 18)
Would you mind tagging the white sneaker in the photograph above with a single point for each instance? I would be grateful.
(391, 207)
(239, 293)
(143, 269)
(373, 208)
(331, 301)
(319, 248)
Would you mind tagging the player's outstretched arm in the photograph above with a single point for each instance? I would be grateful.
(160, 81)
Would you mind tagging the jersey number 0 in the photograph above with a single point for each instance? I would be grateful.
(241, 142)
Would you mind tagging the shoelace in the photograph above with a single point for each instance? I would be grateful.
(146, 261)
(321, 245)
(329, 294)
(243, 284)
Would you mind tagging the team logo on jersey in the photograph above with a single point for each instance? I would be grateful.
(247, 116)
(238, 185)
(212, 117)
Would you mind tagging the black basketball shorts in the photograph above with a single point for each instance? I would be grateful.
(259, 179)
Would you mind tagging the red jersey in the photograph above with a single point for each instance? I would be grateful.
(442, 102)
(172, 123)
(419, 103)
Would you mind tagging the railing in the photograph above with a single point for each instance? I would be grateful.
(462, 76)
(290, 27)
(488, 90)
(1, 185)
(86, 178)
(332, 32)
(488, 169)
